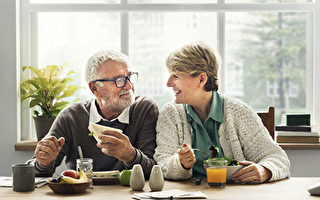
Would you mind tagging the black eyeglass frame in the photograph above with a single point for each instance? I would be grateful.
(122, 80)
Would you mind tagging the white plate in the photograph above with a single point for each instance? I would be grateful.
(105, 177)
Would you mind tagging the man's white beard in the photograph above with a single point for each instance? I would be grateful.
(114, 105)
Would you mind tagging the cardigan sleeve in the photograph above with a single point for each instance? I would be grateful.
(172, 131)
(257, 144)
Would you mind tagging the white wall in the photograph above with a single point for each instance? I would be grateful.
(303, 162)
(8, 106)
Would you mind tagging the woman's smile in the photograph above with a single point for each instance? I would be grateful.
(176, 92)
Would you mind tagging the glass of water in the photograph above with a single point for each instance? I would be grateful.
(86, 165)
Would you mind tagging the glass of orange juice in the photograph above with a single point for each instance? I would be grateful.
(216, 172)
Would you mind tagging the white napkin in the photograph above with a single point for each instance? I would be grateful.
(6, 181)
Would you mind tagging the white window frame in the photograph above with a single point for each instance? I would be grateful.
(28, 37)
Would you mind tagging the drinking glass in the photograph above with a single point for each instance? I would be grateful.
(216, 172)
(86, 165)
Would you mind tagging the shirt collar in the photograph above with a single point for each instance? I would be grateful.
(216, 110)
(95, 116)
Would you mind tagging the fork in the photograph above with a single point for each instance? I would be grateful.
(200, 150)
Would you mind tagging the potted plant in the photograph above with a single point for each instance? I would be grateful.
(46, 90)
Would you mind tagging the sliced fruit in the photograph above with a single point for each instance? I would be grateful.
(82, 178)
(70, 173)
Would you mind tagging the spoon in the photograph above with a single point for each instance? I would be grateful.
(80, 153)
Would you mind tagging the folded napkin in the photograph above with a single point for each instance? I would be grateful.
(169, 194)
(6, 181)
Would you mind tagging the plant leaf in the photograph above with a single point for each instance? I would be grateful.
(50, 72)
(69, 91)
(46, 87)
(33, 103)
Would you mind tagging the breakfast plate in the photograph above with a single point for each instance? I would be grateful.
(105, 177)
(105, 181)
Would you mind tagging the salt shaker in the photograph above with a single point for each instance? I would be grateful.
(156, 180)
(137, 180)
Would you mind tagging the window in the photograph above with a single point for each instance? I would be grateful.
(153, 35)
(263, 47)
(268, 47)
(68, 37)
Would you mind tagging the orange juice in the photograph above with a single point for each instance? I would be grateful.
(217, 176)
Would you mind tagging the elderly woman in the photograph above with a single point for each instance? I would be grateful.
(201, 118)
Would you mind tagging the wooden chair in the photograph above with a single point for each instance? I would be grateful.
(267, 119)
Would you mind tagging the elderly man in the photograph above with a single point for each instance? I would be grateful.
(111, 81)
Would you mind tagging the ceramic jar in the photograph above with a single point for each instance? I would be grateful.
(137, 180)
(156, 180)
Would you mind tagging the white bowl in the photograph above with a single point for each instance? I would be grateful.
(231, 170)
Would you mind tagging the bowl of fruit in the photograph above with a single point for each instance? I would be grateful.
(69, 182)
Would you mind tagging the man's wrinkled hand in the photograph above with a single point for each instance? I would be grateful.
(118, 145)
(48, 149)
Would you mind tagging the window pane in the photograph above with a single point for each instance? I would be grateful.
(73, 37)
(154, 35)
(74, 1)
(266, 60)
(173, 1)
(268, 1)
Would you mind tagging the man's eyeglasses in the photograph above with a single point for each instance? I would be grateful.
(120, 82)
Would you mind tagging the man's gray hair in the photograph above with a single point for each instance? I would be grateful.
(94, 62)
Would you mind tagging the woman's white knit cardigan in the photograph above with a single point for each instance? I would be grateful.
(242, 136)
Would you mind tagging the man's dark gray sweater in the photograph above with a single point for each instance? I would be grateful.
(72, 124)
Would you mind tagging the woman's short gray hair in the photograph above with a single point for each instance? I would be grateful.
(193, 59)
(94, 62)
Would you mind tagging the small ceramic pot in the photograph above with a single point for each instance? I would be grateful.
(137, 180)
(156, 180)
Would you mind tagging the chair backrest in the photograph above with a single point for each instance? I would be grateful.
(267, 119)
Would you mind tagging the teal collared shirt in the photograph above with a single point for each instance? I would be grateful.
(205, 134)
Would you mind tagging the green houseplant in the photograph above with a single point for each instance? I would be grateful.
(45, 90)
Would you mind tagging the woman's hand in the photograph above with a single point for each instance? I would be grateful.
(186, 156)
(253, 173)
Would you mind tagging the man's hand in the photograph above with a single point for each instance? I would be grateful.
(186, 156)
(117, 145)
(253, 173)
(48, 149)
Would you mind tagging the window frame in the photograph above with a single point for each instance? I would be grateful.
(28, 38)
